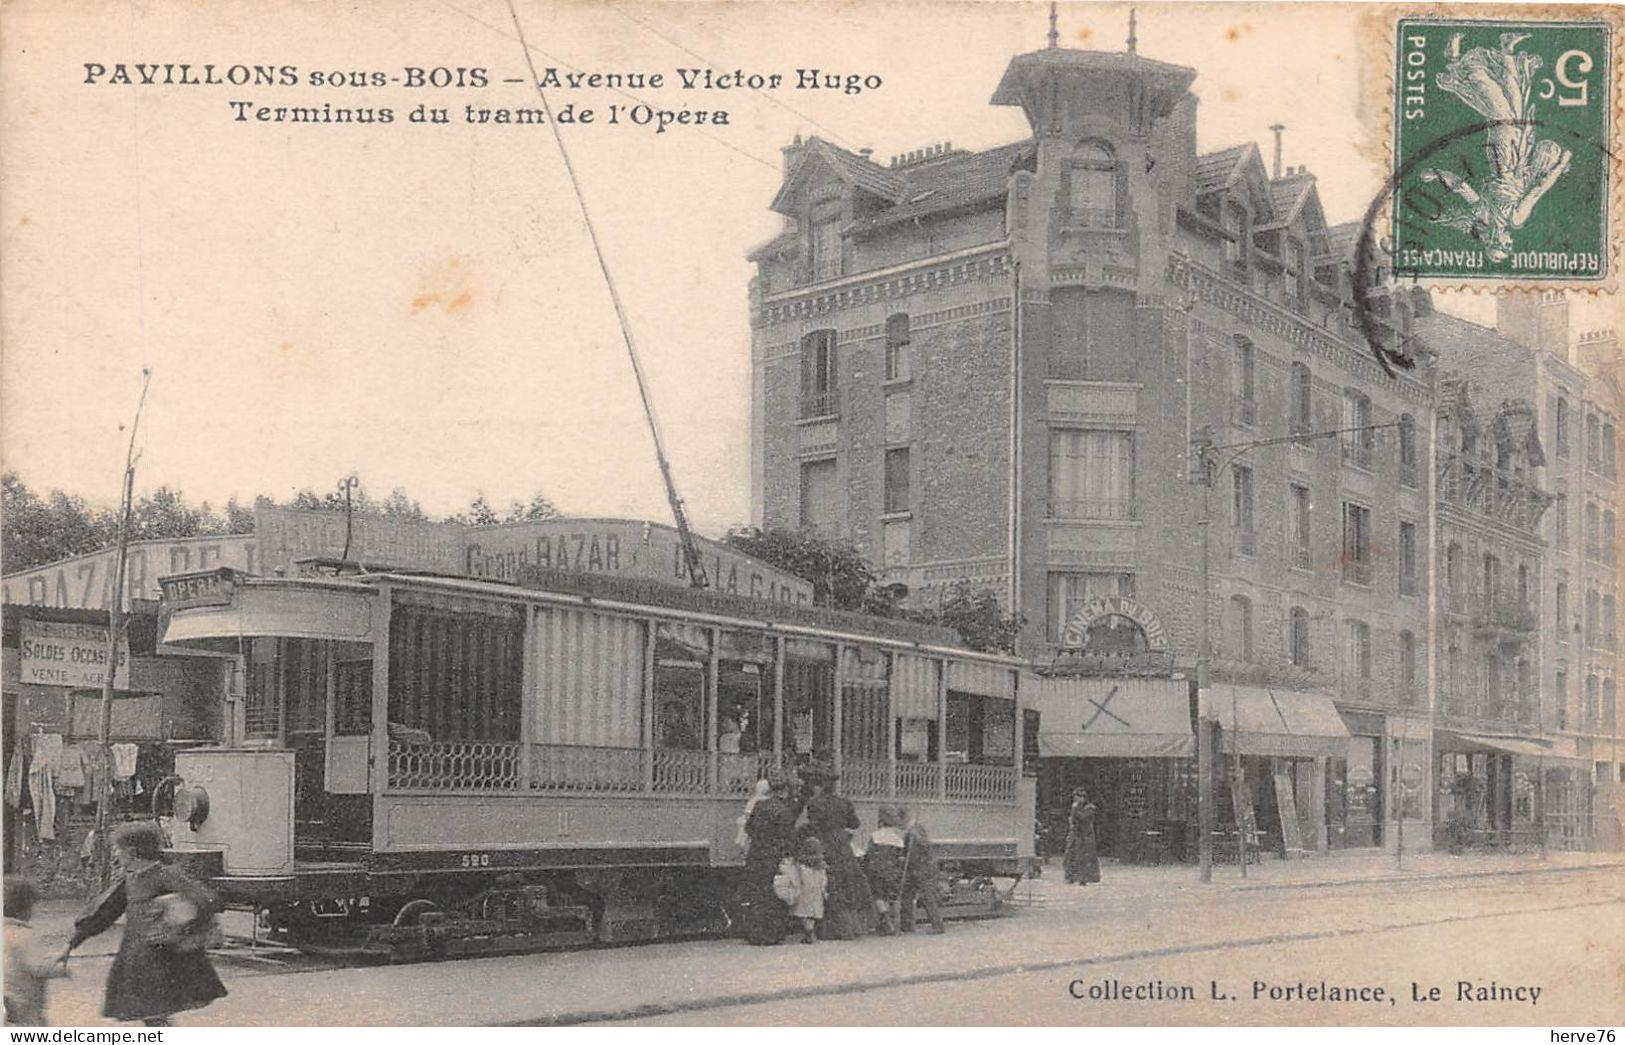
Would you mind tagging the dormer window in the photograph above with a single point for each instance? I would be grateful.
(1235, 244)
(1292, 273)
(826, 240)
(1093, 177)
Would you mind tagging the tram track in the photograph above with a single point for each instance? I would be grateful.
(276, 959)
(657, 1009)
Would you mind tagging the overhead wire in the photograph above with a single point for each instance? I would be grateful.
(696, 568)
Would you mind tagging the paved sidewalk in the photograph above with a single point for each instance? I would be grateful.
(1346, 867)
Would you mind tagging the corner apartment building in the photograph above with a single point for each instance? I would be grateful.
(990, 366)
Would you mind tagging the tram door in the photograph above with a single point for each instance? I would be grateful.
(306, 665)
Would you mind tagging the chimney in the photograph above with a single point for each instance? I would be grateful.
(1276, 129)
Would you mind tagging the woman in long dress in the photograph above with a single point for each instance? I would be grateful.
(831, 819)
(161, 967)
(771, 829)
(1082, 857)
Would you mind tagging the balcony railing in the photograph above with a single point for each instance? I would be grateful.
(1246, 542)
(1357, 571)
(1360, 455)
(820, 404)
(1301, 558)
(1503, 612)
(1243, 412)
(1095, 218)
(1094, 508)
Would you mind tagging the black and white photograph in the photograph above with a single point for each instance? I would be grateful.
(819, 513)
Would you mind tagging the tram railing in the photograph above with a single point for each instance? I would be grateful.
(494, 767)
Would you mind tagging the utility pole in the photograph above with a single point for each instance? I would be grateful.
(115, 631)
(1203, 445)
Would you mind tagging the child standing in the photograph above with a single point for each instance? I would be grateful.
(883, 865)
(28, 963)
(813, 885)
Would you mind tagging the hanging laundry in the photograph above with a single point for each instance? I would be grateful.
(70, 768)
(14, 775)
(124, 756)
(41, 782)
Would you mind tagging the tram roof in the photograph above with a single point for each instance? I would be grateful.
(657, 599)
(653, 598)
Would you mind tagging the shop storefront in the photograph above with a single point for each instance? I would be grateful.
(1284, 773)
(1129, 742)
(1501, 792)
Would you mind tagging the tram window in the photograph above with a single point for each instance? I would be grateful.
(262, 708)
(682, 664)
(865, 704)
(352, 698)
(744, 693)
(809, 697)
(304, 685)
(914, 690)
(455, 676)
(981, 730)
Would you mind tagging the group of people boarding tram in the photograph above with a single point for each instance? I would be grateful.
(809, 870)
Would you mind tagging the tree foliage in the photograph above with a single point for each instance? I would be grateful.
(976, 614)
(40, 529)
(843, 579)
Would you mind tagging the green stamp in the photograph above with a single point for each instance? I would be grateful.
(1502, 145)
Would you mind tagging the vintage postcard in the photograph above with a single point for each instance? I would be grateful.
(544, 513)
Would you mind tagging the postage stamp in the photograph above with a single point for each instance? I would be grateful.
(1502, 142)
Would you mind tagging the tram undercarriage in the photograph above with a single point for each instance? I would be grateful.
(452, 916)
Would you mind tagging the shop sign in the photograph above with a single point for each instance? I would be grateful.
(289, 534)
(1114, 610)
(85, 582)
(624, 548)
(210, 588)
(71, 655)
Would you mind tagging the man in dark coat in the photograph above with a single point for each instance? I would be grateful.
(161, 967)
(1082, 854)
(831, 819)
(919, 876)
(772, 833)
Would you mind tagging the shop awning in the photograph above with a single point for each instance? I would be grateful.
(1521, 746)
(1276, 722)
(1111, 718)
(294, 611)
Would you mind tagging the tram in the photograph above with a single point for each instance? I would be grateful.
(423, 766)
